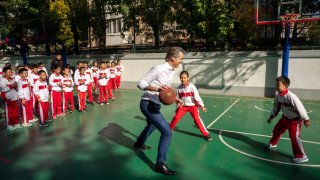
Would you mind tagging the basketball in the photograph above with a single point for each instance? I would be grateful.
(167, 96)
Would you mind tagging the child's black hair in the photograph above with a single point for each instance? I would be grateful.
(5, 69)
(41, 71)
(79, 62)
(33, 66)
(85, 62)
(22, 70)
(56, 67)
(284, 79)
(184, 72)
(40, 63)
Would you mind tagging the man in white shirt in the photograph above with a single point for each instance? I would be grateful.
(158, 78)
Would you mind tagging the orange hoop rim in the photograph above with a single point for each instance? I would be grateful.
(289, 19)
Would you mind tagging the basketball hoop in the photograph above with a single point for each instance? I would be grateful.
(289, 20)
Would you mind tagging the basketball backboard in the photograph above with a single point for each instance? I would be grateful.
(271, 11)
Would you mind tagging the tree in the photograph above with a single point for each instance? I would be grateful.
(208, 19)
(151, 12)
(99, 21)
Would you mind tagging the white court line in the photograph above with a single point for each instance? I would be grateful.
(310, 111)
(263, 159)
(261, 135)
(214, 121)
(261, 109)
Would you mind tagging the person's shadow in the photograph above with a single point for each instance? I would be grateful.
(116, 134)
(249, 141)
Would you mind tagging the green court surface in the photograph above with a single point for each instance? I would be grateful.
(98, 144)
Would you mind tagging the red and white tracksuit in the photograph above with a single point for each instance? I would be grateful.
(104, 86)
(32, 78)
(118, 75)
(112, 80)
(81, 82)
(67, 93)
(89, 86)
(9, 95)
(41, 93)
(292, 118)
(191, 101)
(95, 76)
(24, 93)
(55, 82)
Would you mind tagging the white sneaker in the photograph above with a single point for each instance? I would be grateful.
(11, 128)
(300, 160)
(271, 147)
(34, 120)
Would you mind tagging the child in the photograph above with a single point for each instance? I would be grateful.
(41, 92)
(104, 75)
(294, 114)
(118, 73)
(113, 72)
(41, 67)
(55, 81)
(70, 69)
(188, 93)
(17, 77)
(95, 75)
(10, 98)
(67, 90)
(82, 80)
(79, 65)
(32, 78)
(24, 95)
(89, 86)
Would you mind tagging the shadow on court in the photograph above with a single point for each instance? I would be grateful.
(254, 144)
(117, 134)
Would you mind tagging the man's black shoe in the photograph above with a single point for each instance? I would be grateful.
(164, 170)
(141, 146)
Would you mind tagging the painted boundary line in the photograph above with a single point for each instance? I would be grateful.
(263, 159)
(214, 121)
(261, 135)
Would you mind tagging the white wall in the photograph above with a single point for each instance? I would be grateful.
(236, 73)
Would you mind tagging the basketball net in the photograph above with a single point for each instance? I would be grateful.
(289, 20)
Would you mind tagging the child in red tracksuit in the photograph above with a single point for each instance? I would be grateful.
(55, 82)
(294, 114)
(91, 83)
(41, 93)
(118, 73)
(82, 80)
(32, 78)
(67, 91)
(188, 93)
(113, 72)
(104, 76)
(95, 75)
(10, 97)
(24, 94)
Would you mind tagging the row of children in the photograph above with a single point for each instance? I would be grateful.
(29, 93)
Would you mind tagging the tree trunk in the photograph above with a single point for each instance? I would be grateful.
(75, 32)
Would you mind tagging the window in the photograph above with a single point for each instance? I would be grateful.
(114, 26)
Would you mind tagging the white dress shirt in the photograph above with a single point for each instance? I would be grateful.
(160, 75)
